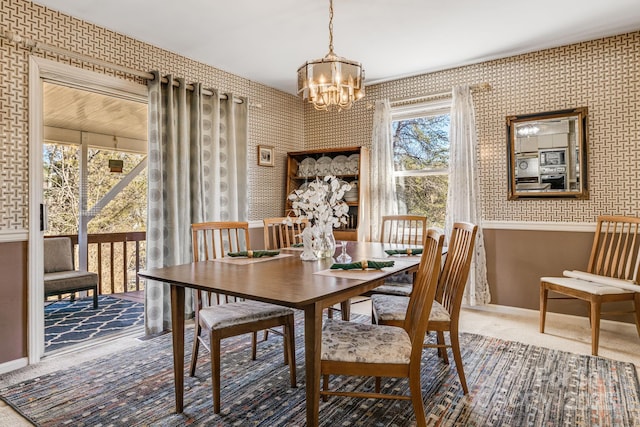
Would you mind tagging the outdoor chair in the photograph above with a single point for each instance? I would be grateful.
(60, 276)
(213, 240)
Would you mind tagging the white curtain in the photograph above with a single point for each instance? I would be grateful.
(382, 183)
(197, 172)
(463, 200)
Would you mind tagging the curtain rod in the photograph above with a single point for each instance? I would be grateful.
(475, 88)
(33, 44)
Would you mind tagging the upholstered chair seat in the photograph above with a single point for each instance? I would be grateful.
(393, 307)
(364, 343)
(238, 313)
(394, 288)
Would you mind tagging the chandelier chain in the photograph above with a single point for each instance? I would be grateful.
(330, 26)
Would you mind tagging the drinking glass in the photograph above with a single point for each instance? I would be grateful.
(344, 257)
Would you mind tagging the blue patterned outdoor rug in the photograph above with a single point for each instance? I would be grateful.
(67, 323)
(510, 384)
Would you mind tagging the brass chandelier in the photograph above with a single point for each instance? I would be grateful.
(332, 82)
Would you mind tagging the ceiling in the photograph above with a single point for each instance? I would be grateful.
(266, 41)
(80, 110)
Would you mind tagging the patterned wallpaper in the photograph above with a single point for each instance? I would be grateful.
(603, 75)
(275, 117)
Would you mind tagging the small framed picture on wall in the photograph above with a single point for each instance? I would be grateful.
(265, 155)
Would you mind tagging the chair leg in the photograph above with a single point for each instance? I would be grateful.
(285, 345)
(254, 345)
(442, 351)
(266, 335)
(194, 352)
(290, 348)
(215, 370)
(595, 326)
(378, 384)
(455, 348)
(636, 304)
(416, 398)
(95, 298)
(544, 294)
(325, 386)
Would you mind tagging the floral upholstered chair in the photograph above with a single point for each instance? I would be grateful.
(212, 240)
(385, 351)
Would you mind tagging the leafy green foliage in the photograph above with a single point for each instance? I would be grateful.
(126, 212)
(421, 155)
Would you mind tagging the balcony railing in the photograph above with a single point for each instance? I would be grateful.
(116, 258)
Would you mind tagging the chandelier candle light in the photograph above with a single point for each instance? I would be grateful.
(332, 82)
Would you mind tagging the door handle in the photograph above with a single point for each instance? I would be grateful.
(44, 217)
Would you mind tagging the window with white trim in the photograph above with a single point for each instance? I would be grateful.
(421, 159)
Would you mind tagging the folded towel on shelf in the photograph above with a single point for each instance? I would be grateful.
(253, 254)
(406, 251)
(363, 265)
(297, 245)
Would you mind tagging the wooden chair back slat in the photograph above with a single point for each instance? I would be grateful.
(403, 229)
(424, 290)
(215, 239)
(283, 232)
(455, 271)
(615, 252)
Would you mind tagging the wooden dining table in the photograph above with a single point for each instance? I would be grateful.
(284, 280)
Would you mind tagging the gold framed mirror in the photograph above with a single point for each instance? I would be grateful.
(547, 155)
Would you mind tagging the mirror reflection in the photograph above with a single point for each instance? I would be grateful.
(548, 154)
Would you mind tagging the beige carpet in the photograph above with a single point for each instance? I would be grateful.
(618, 341)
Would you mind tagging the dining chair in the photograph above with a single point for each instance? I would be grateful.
(403, 230)
(212, 240)
(445, 313)
(364, 349)
(611, 276)
(283, 232)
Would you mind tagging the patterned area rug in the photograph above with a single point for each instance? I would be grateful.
(511, 384)
(67, 323)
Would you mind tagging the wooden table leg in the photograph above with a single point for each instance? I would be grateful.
(345, 309)
(177, 326)
(312, 346)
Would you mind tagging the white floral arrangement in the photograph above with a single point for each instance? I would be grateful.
(321, 202)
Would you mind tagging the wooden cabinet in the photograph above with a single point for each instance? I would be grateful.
(349, 164)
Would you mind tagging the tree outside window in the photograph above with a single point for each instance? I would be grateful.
(421, 162)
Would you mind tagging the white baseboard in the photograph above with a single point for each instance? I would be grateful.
(12, 365)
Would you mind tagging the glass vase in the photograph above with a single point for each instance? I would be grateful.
(325, 243)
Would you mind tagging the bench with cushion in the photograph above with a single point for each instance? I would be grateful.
(60, 276)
